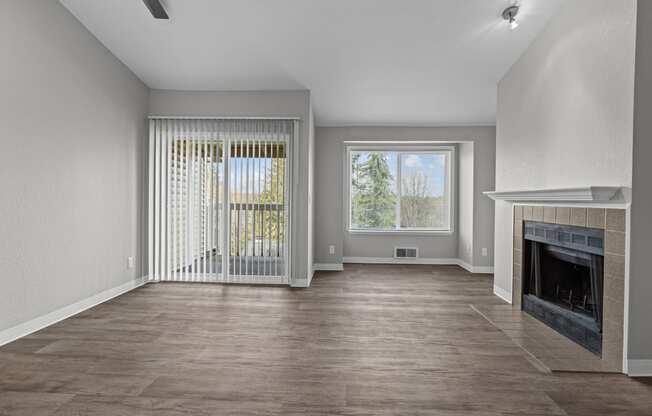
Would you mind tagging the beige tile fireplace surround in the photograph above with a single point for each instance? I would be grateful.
(571, 356)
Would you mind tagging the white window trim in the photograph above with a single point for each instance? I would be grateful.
(401, 149)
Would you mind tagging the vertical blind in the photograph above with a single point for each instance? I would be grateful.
(219, 200)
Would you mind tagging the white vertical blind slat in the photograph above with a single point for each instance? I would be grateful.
(216, 197)
(238, 184)
(193, 201)
(276, 236)
(245, 163)
(228, 215)
(242, 232)
(150, 201)
(204, 214)
(173, 204)
(157, 206)
(198, 211)
(179, 201)
(186, 202)
(209, 207)
(266, 133)
(259, 191)
(189, 201)
(164, 200)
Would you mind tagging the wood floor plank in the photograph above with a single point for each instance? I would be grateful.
(94, 405)
(372, 340)
(30, 403)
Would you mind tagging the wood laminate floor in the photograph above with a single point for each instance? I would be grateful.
(373, 340)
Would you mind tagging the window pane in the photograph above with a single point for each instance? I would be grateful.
(373, 190)
(424, 191)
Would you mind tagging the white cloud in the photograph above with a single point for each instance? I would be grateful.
(413, 161)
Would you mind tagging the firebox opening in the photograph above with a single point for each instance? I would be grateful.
(568, 282)
(562, 280)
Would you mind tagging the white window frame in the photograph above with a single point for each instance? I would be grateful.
(402, 149)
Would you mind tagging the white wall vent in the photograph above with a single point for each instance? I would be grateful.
(406, 252)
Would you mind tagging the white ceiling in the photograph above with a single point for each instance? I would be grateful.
(385, 62)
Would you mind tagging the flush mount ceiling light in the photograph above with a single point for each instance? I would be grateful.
(509, 14)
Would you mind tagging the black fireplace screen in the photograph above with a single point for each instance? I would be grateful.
(563, 280)
(577, 283)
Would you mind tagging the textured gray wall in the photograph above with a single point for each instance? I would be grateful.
(329, 209)
(565, 110)
(252, 104)
(73, 132)
(640, 290)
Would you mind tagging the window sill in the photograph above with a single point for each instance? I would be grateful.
(424, 233)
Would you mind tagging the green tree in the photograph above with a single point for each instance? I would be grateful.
(274, 197)
(374, 201)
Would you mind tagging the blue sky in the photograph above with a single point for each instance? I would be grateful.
(432, 166)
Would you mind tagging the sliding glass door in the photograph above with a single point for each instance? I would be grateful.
(219, 200)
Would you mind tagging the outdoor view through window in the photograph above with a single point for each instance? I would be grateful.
(400, 190)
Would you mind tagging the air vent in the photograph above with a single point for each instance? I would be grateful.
(406, 252)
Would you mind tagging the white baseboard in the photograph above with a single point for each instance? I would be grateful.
(328, 267)
(503, 294)
(475, 269)
(428, 261)
(392, 260)
(466, 266)
(311, 274)
(26, 328)
(300, 283)
(639, 368)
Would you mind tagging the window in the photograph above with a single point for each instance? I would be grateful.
(400, 189)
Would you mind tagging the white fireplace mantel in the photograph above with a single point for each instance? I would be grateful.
(588, 194)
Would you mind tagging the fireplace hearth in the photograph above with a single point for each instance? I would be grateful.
(563, 280)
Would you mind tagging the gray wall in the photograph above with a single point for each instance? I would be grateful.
(329, 205)
(252, 104)
(311, 193)
(465, 197)
(565, 110)
(640, 307)
(71, 166)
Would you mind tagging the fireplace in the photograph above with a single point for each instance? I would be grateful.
(596, 237)
(563, 280)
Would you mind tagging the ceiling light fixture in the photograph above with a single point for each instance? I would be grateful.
(509, 14)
